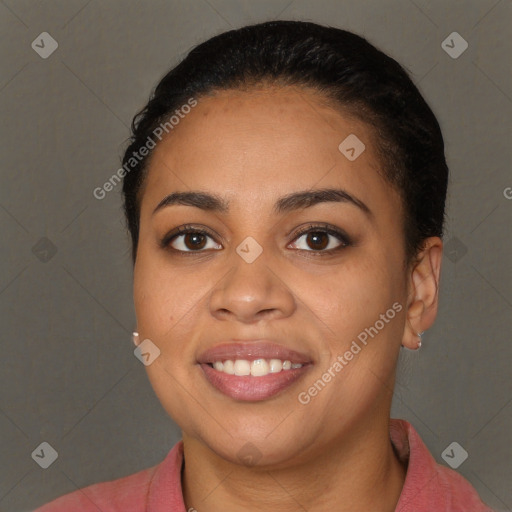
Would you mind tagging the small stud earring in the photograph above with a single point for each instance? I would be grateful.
(135, 338)
(419, 334)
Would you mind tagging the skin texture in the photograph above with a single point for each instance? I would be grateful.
(251, 148)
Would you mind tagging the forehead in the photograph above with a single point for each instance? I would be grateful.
(260, 141)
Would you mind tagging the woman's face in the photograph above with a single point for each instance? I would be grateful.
(255, 287)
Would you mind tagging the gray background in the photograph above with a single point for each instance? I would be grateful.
(68, 373)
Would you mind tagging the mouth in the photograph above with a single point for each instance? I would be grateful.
(252, 371)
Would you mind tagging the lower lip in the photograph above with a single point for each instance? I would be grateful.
(249, 388)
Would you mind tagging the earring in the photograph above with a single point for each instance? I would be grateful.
(419, 334)
(135, 338)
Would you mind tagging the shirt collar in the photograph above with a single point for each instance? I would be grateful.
(165, 492)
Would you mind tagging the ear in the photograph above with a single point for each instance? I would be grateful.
(423, 291)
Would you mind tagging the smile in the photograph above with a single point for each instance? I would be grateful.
(252, 371)
(256, 368)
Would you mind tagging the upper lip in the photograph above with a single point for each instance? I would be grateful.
(250, 350)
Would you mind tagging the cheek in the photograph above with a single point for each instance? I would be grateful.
(362, 305)
(353, 295)
(162, 296)
(164, 301)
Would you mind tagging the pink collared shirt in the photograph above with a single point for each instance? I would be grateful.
(428, 486)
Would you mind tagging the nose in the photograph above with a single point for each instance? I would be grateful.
(251, 292)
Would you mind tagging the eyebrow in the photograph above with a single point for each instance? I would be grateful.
(294, 201)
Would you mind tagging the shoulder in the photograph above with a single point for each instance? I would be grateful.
(459, 494)
(122, 494)
(429, 485)
(132, 493)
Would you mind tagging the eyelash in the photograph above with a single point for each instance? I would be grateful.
(323, 228)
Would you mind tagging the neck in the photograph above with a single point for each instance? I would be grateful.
(359, 472)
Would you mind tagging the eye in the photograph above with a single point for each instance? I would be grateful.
(321, 239)
(188, 239)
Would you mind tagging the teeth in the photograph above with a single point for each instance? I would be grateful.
(256, 368)
(242, 367)
(228, 367)
(259, 368)
(276, 365)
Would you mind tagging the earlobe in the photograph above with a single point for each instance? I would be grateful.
(413, 327)
(423, 293)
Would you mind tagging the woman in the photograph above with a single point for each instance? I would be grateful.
(284, 190)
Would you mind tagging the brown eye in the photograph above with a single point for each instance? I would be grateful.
(194, 241)
(317, 240)
(321, 240)
(190, 240)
